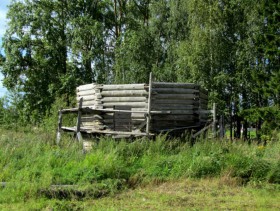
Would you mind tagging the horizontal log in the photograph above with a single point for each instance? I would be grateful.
(175, 96)
(87, 98)
(175, 85)
(86, 87)
(123, 87)
(182, 112)
(163, 107)
(110, 132)
(132, 104)
(130, 121)
(124, 93)
(175, 101)
(174, 91)
(174, 117)
(86, 93)
(124, 99)
(91, 103)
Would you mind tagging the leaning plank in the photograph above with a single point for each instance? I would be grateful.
(124, 99)
(123, 87)
(124, 93)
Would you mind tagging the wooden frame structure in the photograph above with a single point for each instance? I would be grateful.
(137, 109)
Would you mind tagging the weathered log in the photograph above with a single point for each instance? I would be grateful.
(124, 93)
(124, 99)
(175, 85)
(87, 98)
(123, 87)
(175, 91)
(85, 87)
(86, 92)
(163, 107)
(176, 101)
(175, 96)
(174, 117)
(132, 104)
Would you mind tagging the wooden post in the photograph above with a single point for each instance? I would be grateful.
(149, 105)
(78, 126)
(58, 135)
(222, 127)
(214, 120)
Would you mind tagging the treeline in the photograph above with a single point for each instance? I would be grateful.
(230, 47)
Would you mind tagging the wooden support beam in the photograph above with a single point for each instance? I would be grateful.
(149, 105)
(78, 126)
(214, 120)
(58, 135)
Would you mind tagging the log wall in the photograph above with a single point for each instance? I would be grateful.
(181, 104)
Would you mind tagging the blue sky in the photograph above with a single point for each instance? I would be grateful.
(3, 23)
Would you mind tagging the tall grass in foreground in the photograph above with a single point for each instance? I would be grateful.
(31, 163)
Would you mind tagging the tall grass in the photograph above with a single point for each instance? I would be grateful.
(31, 163)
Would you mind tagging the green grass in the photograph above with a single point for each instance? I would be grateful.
(30, 163)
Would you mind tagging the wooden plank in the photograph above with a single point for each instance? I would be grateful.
(124, 93)
(123, 87)
(175, 96)
(175, 91)
(124, 99)
(86, 87)
(92, 130)
(175, 85)
(91, 118)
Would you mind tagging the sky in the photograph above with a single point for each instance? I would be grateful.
(3, 23)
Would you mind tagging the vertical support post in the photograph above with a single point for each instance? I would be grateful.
(222, 127)
(78, 126)
(149, 105)
(58, 134)
(214, 120)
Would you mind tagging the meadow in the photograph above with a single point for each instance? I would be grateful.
(165, 173)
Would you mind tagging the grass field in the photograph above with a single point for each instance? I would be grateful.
(162, 174)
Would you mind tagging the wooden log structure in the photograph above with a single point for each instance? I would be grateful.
(138, 109)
